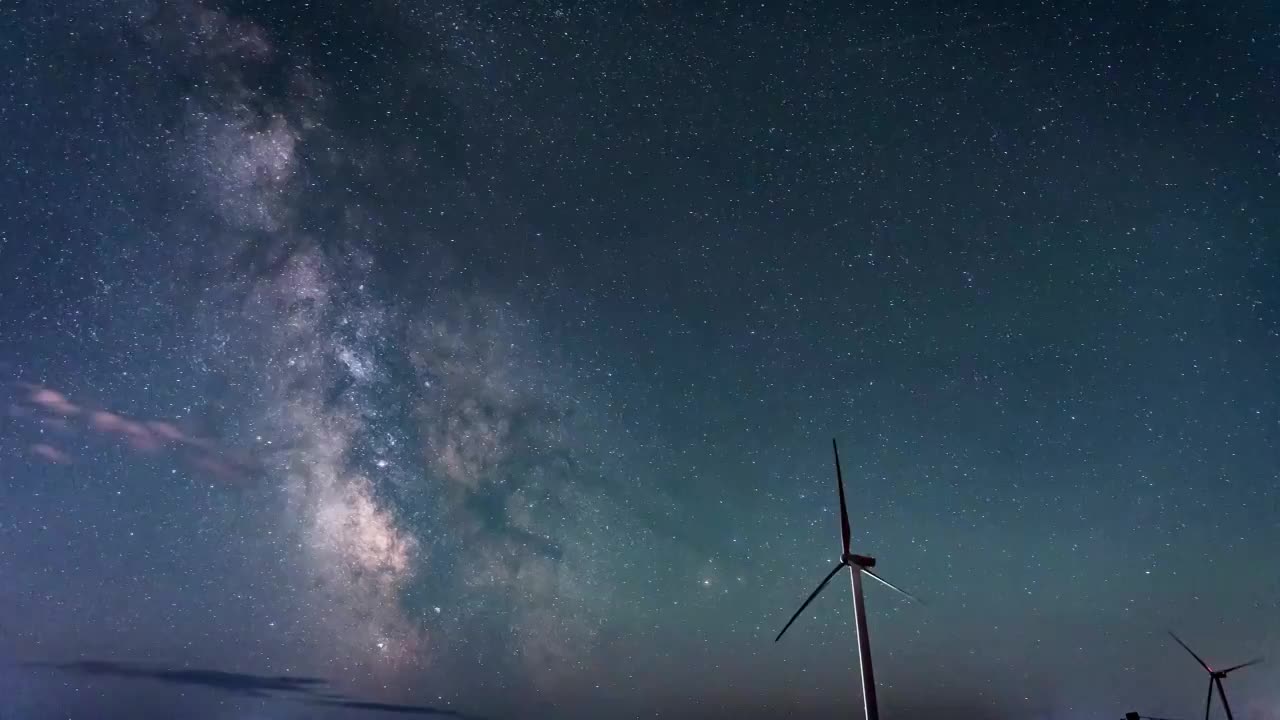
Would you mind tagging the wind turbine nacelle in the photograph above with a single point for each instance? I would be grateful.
(1132, 716)
(859, 560)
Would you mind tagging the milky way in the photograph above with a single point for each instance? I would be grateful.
(434, 460)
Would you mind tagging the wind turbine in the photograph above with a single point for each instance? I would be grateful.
(1215, 678)
(858, 565)
(1136, 716)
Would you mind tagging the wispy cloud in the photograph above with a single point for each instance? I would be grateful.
(61, 423)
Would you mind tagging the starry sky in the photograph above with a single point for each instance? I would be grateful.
(481, 359)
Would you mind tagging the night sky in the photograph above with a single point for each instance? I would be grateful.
(482, 359)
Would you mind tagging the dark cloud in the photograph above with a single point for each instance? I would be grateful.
(310, 690)
(391, 708)
(231, 682)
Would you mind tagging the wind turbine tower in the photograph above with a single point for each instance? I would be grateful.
(858, 565)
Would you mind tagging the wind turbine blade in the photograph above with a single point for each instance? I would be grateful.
(893, 587)
(1222, 695)
(1203, 664)
(844, 510)
(809, 599)
(1242, 665)
(1208, 699)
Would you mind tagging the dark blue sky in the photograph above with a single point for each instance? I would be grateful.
(485, 357)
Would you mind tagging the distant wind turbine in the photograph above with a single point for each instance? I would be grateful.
(858, 565)
(1136, 716)
(1215, 678)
